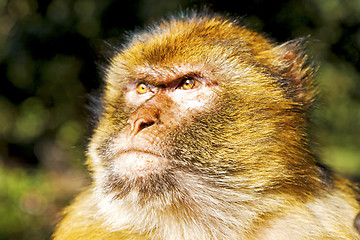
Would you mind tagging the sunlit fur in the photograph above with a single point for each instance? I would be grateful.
(238, 167)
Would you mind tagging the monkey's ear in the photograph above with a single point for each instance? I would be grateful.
(296, 70)
(357, 222)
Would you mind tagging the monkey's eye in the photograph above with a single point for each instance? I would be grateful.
(189, 83)
(142, 88)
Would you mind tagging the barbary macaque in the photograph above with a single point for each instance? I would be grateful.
(203, 135)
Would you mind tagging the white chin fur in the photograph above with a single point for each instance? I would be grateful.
(138, 164)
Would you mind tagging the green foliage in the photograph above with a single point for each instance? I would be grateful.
(31, 201)
(25, 201)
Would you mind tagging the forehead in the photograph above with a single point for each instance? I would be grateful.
(191, 36)
(177, 47)
(157, 75)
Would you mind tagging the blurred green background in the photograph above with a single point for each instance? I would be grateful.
(48, 55)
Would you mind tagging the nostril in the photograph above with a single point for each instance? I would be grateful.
(140, 124)
(142, 119)
(143, 125)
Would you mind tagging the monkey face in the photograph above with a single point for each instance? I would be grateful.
(137, 150)
(158, 108)
(208, 100)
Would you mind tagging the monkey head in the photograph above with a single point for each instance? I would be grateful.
(201, 108)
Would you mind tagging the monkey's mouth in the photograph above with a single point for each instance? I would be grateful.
(137, 163)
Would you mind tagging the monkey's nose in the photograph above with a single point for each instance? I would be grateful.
(139, 124)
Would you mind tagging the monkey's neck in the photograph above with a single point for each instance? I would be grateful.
(195, 211)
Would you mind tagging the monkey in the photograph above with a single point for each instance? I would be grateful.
(203, 134)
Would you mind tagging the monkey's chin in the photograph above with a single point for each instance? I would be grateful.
(138, 163)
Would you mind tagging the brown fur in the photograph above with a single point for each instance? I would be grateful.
(238, 167)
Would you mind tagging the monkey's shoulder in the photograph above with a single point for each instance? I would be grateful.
(319, 217)
(82, 222)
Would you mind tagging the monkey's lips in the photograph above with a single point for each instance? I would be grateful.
(139, 163)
